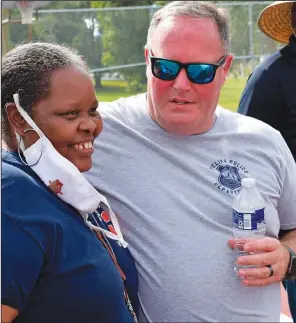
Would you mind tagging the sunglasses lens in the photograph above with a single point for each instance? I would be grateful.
(165, 70)
(201, 73)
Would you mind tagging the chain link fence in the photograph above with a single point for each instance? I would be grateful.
(112, 39)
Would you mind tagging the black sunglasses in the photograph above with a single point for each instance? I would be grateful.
(198, 73)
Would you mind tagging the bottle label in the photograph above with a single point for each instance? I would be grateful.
(247, 221)
(260, 216)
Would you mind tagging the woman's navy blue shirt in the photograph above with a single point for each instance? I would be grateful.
(54, 269)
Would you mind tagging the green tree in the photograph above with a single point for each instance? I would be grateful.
(75, 29)
(124, 35)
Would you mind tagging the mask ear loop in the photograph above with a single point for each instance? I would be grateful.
(19, 149)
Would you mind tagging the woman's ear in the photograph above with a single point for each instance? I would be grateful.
(18, 123)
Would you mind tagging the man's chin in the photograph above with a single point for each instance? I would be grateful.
(182, 119)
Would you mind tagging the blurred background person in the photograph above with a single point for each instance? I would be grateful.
(270, 93)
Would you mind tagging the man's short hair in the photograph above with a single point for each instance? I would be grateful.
(195, 9)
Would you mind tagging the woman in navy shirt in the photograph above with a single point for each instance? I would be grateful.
(54, 268)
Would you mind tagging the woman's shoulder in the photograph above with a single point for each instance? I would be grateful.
(23, 192)
(14, 172)
(30, 204)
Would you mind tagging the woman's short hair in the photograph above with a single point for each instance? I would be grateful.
(27, 70)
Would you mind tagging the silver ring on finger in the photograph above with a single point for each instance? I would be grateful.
(271, 272)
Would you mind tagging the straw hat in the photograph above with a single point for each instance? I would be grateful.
(275, 21)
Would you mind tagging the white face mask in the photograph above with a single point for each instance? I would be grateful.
(64, 178)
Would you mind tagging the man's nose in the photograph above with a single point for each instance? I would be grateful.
(182, 83)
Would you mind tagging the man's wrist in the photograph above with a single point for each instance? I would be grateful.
(291, 254)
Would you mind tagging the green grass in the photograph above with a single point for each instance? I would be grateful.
(231, 93)
(229, 98)
(113, 90)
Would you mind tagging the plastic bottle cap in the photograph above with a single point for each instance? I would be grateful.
(248, 182)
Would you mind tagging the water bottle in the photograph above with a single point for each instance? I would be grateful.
(248, 220)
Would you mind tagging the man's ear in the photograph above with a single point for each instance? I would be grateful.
(226, 66)
(18, 123)
(146, 54)
(228, 63)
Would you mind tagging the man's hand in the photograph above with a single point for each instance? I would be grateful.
(268, 251)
